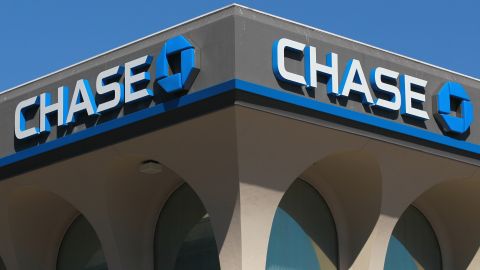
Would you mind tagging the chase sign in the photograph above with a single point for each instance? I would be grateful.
(349, 82)
(116, 86)
(390, 90)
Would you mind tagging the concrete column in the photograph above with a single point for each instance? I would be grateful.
(258, 206)
(273, 152)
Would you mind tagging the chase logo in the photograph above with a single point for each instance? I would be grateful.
(176, 68)
(459, 121)
(388, 90)
(128, 83)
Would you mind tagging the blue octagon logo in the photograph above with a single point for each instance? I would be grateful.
(449, 93)
(176, 68)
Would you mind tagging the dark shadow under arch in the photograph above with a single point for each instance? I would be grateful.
(37, 221)
(184, 239)
(413, 244)
(450, 208)
(353, 194)
(81, 249)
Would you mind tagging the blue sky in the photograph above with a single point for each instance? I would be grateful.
(39, 37)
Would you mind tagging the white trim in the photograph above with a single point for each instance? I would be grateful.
(251, 9)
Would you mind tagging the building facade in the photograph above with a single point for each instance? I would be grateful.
(239, 140)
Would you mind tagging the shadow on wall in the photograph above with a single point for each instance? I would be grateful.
(38, 220)
(167, 209)
(452, 210)
(81, 249)
(413, 244)
(351, 183)
(303, 234)
(322, 208)
(184, 239)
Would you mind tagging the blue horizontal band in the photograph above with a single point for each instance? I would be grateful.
(245, 86)
(118, 123)
(364, 118)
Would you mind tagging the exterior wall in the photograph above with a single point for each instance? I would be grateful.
(240, 191)
(240, 156)
(255, 36)
(214, 43)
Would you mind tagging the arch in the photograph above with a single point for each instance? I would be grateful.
(80, 248)
(303, 234)
(351, 184)
(449, 206)
(134, 202)
(37, 220)
(413, 244)
(184, 238)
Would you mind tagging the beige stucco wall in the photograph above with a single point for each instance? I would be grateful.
(240, 161)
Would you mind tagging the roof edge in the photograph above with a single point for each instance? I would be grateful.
(358, 42)
(250, 9)
(121, 47)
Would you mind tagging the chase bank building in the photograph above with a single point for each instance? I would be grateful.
(241, 141)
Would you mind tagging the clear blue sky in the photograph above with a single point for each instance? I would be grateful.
(39, 37)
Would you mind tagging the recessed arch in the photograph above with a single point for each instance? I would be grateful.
(351, 184)
(37, 220)
(450, 208)
(184, 238)
(303, 234)
(80, 248)
(134, 202)
(413, 244)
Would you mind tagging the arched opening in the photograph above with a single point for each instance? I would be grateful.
(2, 265)
(38, 220)
(303, 234)
(184, 239)
(413, 244)
(448, 207)
(81, 249)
